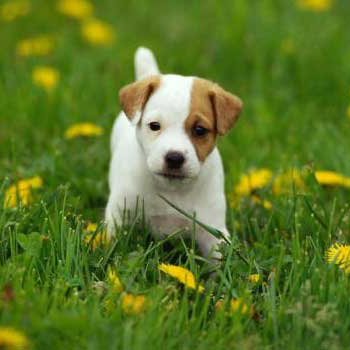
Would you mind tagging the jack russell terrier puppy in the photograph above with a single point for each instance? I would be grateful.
(163, 144)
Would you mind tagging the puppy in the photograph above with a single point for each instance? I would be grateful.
(163, 143)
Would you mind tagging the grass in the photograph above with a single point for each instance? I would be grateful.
(291, 67)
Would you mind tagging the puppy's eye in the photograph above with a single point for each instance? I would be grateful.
(199, 131)
(154, 126)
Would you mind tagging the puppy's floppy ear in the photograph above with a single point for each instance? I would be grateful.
(133, 97)
(226, 107)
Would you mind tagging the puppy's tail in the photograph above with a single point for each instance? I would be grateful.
(145, 63)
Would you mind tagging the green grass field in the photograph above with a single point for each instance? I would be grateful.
(291, 67)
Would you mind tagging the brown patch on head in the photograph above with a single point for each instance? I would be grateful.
(133, 97)
(211, 108)
(201, 114)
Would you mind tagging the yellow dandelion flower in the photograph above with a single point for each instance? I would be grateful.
(101, 239)
(315, 5)
(38, 46)
(12, 339)
(239, 305)
(266, 204)
(254, 278)
(45, 77)
(78, 9)
(331, 178)
(114, 280)
(348, 112)
(287, 182)
(133, 304)
(10, 10)
(22, 189)
(339, 254)
(83, 129)
(248, 184)
(91, 227)
(254, 180)
(236, 306)
(183, 275)
(97, 32)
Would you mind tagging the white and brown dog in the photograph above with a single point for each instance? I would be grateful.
(163, 143)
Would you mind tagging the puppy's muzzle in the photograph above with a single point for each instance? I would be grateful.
(174, 160)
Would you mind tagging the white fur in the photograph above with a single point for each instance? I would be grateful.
(138, 156)
(145, 63)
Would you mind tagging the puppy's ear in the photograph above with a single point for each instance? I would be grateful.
(226, 107)
(133, 97)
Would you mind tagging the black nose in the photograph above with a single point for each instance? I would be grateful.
(174, 160)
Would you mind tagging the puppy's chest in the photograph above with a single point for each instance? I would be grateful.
(166, 220)
(164, 225)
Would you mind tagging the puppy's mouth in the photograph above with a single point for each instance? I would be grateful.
(172, 176)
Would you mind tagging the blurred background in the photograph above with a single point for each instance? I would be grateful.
(63, 62)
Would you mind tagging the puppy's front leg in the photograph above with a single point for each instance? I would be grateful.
(112, 216)
(209, 244)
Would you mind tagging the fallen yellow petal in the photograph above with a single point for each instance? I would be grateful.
(83, 129)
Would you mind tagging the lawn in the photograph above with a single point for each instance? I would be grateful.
(279, 286)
